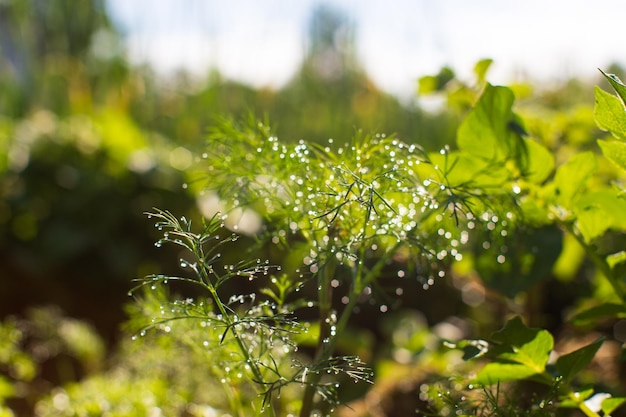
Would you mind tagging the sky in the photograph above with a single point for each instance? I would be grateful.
(262, 42)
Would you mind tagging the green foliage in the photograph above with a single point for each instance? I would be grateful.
(570, 177)
(16, 364)
(434, 83)
(609, 113)
(518, 353)
(617, 85)
(257, 333)
(46, 344)
(486, 132)
(170, 371)
(352, 209)
(354, 228)
(580, 205)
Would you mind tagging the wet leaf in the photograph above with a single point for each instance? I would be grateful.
(617, 85)
(496, 372)
(523, 345)
(572, 363)
(485, 131)
(481, 68)
(598, 212)
(615, 151)
(539, 163)
(571, 176)
(599, 312)
(609, 113)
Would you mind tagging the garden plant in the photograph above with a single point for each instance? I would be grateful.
(336, 221)
(472, 263)
(302, 248)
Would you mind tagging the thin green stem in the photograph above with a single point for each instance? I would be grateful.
(204, 276)
(226, 315)
(258, 376)
(373, 273)
(328, 346)
(325, 338)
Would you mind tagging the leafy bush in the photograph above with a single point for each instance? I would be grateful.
(298, 239)
(346, 213)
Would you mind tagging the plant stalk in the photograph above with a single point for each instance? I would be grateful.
(325, 305)
(325, 349)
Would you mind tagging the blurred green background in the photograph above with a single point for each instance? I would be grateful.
(89, 142)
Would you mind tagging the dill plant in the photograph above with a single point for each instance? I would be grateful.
(341, 214)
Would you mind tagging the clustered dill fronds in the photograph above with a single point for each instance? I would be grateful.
(353, 208)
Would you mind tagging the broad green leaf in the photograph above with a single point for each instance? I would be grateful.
(460, 168)
(523, 345)
(598, 212)
(617, 85)
(432, 83)
(571, 176)
(615, 151)
(611, 404)
(496, 372)
(600, 312)
(534, 354)
(572, 363)
(609, 113)
(485, 132)
(514, 332)
(539, 162)
(531, 256)
(481, 68)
